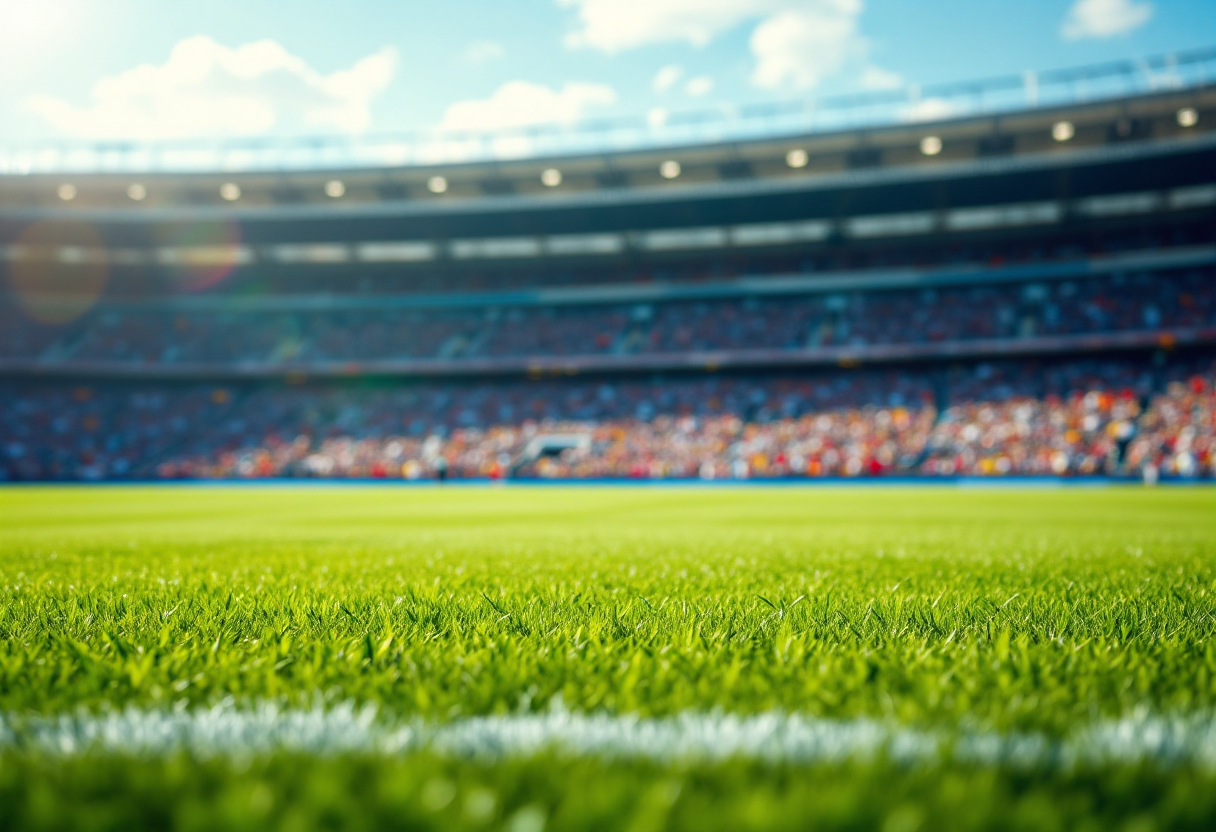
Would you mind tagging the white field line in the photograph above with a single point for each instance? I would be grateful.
(229, 730)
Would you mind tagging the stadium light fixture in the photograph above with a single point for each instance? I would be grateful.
(797, 158)
(437, 184)
(669, 169)
(552, 177)
(230, 191)
(335, 188)
(136, 191)
(931, 145)
(67, 192)
(1062, 131)
(1188, 117)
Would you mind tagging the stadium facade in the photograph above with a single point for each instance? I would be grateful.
(1027, 292)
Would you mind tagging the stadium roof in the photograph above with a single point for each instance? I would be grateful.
(843, 174)
(783, 119)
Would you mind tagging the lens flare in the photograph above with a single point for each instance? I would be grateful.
(202, 255)
(59, 270)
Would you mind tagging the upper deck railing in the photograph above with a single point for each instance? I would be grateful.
(803, 116)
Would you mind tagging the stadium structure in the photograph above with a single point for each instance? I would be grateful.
(1005, 290)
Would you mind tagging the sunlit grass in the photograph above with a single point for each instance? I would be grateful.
(999, 610)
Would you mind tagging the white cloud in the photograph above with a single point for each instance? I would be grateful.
(1104, 18)
(483, 51)
(701, 85)
(795, 42)
(799, 46)
(208, 89)
(666, 77)
(877, 78)
(520, 103)
(615, 25)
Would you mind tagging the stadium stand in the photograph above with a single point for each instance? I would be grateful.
(1049, 311)
(1061, 417)
(1121, 301)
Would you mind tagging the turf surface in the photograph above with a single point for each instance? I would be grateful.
(998, 610)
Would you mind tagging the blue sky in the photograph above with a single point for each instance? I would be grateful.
(152, 69)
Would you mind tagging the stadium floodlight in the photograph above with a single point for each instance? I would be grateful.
(335, 188)
(552, 177)
(136, 191)
(1188, 117)
(67, 191)
(797, 158)
(230, 191)
(931, 145)
(1062, 131)
(437, 184)
(669, 169)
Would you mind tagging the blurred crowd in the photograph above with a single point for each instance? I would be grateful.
(20, 336)
(1119, 302)
(1177, 436)
(863, 422)
(1066, 418)
(85, 432)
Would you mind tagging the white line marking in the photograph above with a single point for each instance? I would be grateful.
(228, 730)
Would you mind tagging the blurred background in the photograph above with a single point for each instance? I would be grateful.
(622, 239)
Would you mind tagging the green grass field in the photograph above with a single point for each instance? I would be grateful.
(1074, 623)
